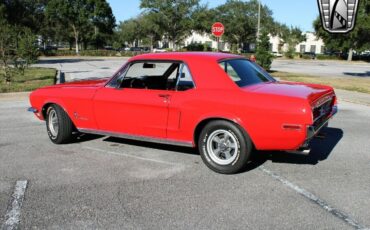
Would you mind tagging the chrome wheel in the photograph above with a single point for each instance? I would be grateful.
(53, 123)
(222, 147)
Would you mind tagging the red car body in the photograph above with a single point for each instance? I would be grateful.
(276, 115)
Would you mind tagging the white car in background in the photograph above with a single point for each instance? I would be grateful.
(159, 50)
(277, 54)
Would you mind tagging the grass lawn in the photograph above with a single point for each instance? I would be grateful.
(32, 79)
(353, 84)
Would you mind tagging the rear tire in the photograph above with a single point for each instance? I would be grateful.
(58, 125)
(224, 147)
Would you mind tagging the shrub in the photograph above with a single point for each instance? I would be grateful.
(263, 54)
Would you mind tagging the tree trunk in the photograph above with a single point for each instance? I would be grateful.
(350, 54)
(75, 32)
(151, 43)
(174, 45)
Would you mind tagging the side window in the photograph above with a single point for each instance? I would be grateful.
(185, 80)
(148, 75)
(244, 72)
(230, 71)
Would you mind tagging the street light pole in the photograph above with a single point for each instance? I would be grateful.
(259, 20)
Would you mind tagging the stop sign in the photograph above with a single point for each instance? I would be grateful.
(218, 29)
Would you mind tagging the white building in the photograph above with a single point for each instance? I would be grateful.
(206, 39)
(312, 43)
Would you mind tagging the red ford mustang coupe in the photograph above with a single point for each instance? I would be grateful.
(223, 104)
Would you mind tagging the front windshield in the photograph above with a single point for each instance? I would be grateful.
(244, 72)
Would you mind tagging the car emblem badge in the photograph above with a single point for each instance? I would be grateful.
(338, 16)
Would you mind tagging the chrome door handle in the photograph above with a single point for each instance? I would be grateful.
(164, 95)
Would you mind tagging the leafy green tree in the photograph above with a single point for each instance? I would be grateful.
(103, 22)
(18, 47)
(173, 17)
(149, 31)
(27, 51)
(240, 20)
(292, 37)
(81, 17)
(358, 39)
(25, 13)
(128, 32)
(264, 56)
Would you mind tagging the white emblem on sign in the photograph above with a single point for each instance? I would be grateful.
(338, 16)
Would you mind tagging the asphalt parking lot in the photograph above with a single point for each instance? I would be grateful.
(323, 68)
(108, 183)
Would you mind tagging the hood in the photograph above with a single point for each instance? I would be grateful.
(84, 83)
(311, 92)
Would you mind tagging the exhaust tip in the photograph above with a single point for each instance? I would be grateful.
(301, 151)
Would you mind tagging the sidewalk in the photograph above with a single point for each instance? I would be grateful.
(354, 97)
(21, 96)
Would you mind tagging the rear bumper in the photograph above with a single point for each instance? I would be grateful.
(312, 131)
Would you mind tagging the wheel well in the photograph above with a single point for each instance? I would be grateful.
(45, 109)
(203, 123)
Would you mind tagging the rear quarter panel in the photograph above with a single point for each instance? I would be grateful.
(261, 116)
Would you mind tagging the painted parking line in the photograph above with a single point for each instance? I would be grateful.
(316, 200)
(132, 156)
(12, 216)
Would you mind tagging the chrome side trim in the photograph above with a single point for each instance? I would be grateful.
(33, 110)
(137, 138)
(323, 100)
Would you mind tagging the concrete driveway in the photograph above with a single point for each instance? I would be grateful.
(109, 183)
(77, 68)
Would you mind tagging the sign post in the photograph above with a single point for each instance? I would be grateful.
(218, 29)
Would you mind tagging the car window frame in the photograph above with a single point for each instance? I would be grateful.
(126, 67)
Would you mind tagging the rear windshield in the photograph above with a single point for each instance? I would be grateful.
(244, 72)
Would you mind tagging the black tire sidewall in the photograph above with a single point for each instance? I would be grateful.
(243, 142)
(51, 136)
(65, 125)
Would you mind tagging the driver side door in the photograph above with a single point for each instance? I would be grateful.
(139, 102)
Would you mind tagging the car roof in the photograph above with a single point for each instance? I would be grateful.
(184, 56)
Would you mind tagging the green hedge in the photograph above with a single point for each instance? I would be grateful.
(328, 57)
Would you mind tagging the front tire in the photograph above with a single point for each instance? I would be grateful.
(58, 125)
(224, 147)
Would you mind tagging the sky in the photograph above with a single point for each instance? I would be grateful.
(299, 13)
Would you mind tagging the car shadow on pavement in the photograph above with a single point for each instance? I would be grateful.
(172, 148)
(321, 148)
(84, 137)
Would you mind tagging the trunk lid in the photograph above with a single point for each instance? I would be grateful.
(311, 92)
